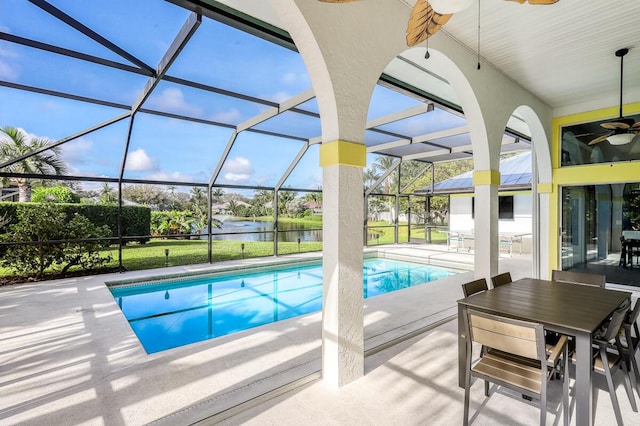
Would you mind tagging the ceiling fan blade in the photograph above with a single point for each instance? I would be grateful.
(337, 1)
(600, 139)
(636, 125)
(424, 22)
(616, 125)
(541, 1)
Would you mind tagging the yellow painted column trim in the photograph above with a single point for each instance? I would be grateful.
(343, 153)
(545, 188)
(486, 177)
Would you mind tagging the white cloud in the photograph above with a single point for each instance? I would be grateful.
(231, 116)
(238, 169)
(76, 151)
(173, 176)
(289, 77)
(280, 97)
(138, 161)
(172, 99)
(294, 78)
(7, 72)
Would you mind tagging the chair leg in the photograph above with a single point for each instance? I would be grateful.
(612, 388)
(627, 385)
(467, 385)
(543, 406)
(634, 365)
(630, 355)
(486, 388)
(565, 386)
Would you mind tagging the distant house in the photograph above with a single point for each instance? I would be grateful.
(10, 194)
(314, 206)
(514, 198)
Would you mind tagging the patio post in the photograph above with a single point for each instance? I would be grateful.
(342, 295)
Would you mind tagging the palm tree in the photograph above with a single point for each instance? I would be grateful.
(106, 194)
(16, 143)
(261, 199)
(217, 194)
(381, 165)
(369, 177)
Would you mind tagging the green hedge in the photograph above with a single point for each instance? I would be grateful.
(136, 220)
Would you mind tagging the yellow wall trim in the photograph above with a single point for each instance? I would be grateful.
(486, 177)
(545, 188)
(598, 174)
(500, 194)
(343, 153)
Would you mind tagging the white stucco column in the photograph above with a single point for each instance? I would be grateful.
(486, 248)
(342, 292)
(345, 48)
(544, 191)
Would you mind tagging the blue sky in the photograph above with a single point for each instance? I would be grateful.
(163, 148)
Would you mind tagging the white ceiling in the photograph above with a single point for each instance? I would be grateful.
(563, 53)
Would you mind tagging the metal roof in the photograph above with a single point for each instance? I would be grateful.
(515, 174)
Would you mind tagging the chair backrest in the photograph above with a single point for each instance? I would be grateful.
(633, 314)
(474, 287)
(631, 322)
(501, 279)
(615, 323)
(516, 337)
(578, 278)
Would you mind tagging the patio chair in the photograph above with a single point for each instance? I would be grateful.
(630, 342)
(578, 278)
(501, 279)
(608, 357)
(474, 287)
(518, 359)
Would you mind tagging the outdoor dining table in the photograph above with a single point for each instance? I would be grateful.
(571, 309)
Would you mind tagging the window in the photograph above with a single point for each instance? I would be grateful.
(577, 147)
(505, 207)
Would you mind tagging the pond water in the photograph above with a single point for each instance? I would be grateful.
(253, 230)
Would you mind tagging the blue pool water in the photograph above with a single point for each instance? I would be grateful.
(170, 314)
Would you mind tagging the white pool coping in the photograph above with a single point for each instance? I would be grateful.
(69, 356)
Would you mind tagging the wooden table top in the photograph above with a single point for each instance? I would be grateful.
(577, 307)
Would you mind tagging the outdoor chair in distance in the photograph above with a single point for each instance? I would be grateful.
(518, 359)
(578, 278)
(609, 357)
(501, 279)
(474, 287)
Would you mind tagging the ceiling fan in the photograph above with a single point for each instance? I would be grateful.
(622, 130)
(427, 17)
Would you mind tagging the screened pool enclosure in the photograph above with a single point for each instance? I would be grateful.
(184, 106)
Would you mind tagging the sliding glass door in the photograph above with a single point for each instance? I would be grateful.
(594, 220)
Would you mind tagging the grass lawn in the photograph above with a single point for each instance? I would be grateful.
(189, 252)
(383, 233)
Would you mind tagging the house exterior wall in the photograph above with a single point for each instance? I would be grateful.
(461, 220)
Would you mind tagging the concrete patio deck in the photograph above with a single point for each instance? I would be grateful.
(68, 356)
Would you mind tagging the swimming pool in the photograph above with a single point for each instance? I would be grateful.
(168, 314)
